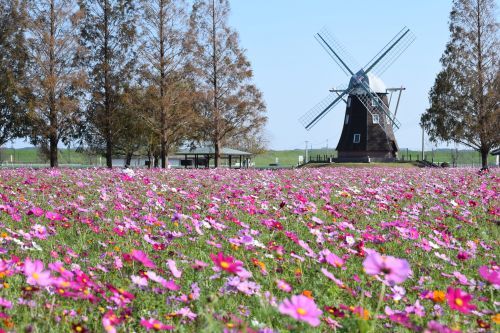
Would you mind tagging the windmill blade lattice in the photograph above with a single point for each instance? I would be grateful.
(336, 51)
(370, 96)
(390, 52)
(321, 109)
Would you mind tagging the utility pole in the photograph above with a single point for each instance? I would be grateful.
(306, 151)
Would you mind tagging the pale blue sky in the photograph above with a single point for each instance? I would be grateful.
(295, 73)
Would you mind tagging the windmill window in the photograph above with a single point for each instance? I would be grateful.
(375, 118)
(348, 103)
(374, 102)
(357, 138)
(346, 121)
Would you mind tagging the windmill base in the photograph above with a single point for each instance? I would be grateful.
(366, 156)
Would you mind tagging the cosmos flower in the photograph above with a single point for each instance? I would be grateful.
(33, 270)
(284, 286)
(301, 308)
(156, 325)
(393, 270)
(491, 275)
(173, 268)
(459, 300)
(227, 264)
(141, 257)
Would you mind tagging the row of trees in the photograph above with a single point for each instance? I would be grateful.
(121, 76)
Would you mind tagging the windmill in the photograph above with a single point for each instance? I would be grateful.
(369, 122)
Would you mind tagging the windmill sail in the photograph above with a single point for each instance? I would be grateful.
(372, 97)
(336, 51)
(390, 52)
(321, 109)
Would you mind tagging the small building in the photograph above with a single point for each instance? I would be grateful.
(200, 157)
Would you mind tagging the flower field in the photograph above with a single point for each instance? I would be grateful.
(307, 250)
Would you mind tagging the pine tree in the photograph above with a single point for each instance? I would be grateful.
(465, 96)
(54, 78)
(229, 104)
(108, 34)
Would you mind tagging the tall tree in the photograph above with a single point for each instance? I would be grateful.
(164, 56)
(54, 78)
(229, 103)
(13, 59)
(108, 34)
(465, 96)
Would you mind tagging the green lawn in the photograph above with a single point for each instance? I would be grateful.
(284, 158)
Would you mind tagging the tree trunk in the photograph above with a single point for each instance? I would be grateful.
(53, 151)
(484, 159)
(156, 160)
(163, 118)
(107, 90)
(52, 95)
(217, 153)
(163, 141)
(128, 159)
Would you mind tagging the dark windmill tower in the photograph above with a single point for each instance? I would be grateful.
(369, 123)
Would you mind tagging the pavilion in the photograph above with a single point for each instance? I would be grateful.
(200, 157)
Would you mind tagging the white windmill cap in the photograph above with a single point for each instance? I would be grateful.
(376, 84)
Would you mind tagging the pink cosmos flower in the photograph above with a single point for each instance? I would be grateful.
(459, 300)
(35, 211)
(334, 260)
(5, 303)
(173, 268)
(170, 285)
(491, 275)
(226, 263)
(53, 216)
(35, 273)
(109, 322)
(154, 324)
(141, 257)
(301, 308)
(393, 269)
(284, 286)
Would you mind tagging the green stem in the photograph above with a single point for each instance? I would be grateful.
(379, 304)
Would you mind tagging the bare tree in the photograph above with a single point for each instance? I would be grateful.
(54, 79)
(465, 96)
(164, 58)
(108, 34)
(13, 59)
(229, 104)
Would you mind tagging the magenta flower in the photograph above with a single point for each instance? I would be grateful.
(154, 324)
(35, 273)
(491, 275)
(301, 308)
(226, 263)
(53, 216)
(393, 270)
(37, 211)
(141, 257)
(459, 300)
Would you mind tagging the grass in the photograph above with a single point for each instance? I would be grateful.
(285, 158)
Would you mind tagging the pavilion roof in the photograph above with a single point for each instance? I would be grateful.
(211, 151)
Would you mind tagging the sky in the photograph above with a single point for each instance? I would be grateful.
(295, 73)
